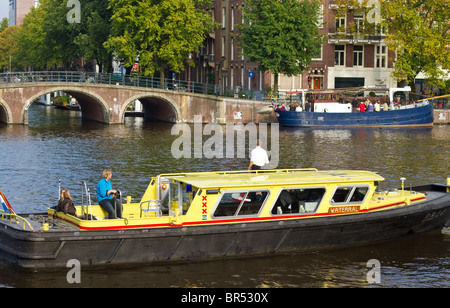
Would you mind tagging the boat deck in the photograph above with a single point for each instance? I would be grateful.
(36, 223)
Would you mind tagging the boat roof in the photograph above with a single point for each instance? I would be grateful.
(272, 177)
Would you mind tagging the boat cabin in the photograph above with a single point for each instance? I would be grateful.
(209, 198)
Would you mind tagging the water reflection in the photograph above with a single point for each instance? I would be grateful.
(57, 144)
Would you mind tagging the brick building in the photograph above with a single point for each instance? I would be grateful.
(18, 9)
(346, 60)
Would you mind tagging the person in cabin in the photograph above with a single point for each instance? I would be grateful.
(65, 204)
(258, 157)
(106, 196)
(362, 107)
(376, 106)
(308, 106)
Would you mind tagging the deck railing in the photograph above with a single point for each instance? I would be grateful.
(14, 217)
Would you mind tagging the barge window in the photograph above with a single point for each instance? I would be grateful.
(240, 203)
(349, 194)
(297, 201)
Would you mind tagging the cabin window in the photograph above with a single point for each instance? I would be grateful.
(240, 203)
(188, 195)
(349, 194)
(298, 201)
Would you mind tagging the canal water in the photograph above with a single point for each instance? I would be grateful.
(57, 146)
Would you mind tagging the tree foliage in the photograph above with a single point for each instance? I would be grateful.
(4, 24)
(281, 35)
(8, 46)
(46, 37)
(159, 33)
(417, 30)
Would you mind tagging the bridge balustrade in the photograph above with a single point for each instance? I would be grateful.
(119, 79)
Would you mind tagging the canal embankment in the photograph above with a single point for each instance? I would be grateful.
(441, 116)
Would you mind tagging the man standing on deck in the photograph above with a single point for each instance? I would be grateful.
(258, 157)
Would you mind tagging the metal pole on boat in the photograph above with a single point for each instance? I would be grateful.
(59, 189)
(115, 206)
(82, 200)
(403, 185)
(89, 199)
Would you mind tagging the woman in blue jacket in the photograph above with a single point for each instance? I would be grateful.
(106, 196)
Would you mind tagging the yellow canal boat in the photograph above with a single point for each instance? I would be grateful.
(185, 217)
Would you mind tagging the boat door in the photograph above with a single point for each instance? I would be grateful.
(162, 191)
(175, 196)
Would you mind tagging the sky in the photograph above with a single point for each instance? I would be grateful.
(4, 9)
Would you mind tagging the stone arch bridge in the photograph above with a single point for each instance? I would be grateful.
(107, 103)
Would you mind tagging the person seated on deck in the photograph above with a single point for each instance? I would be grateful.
(65, 204)
(106, 196)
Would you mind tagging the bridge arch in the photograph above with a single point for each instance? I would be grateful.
(156, 107)
(5, 112)
(93, 106)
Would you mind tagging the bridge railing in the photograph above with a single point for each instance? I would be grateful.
(127, 80)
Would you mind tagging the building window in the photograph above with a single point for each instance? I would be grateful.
(320, 19)
(224, 17)
(232, 77)
(223, 46)
(318, 56)
(348, 82)
(339, 55)
(358, 52)
(381, 57)
(232, 19)
(359, 22)
(232, 50)
(340, 24)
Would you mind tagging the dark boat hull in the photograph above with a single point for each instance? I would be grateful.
(417, 116)
(52, 250)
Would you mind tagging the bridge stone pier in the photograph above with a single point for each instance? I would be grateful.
(107, 103)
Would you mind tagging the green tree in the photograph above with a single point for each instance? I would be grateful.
(8, 46)
(160, 33)
(4, 24)
(281, 35)
(94, 32)
(419, 30)
(31, 49)
(48, 39)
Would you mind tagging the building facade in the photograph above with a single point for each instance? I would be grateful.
(18, 9)
(346, 59)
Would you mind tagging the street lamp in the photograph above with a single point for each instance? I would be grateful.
(189, 73)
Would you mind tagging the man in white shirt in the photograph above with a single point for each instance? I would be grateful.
(258, 157)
